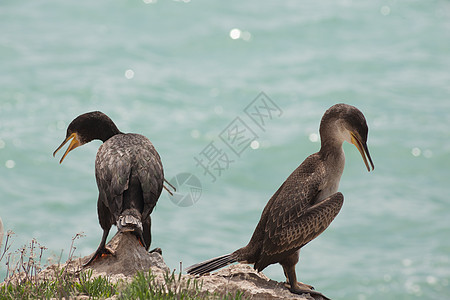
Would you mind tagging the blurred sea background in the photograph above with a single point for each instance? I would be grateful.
(180, 72)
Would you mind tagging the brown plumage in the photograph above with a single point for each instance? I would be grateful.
(129, 176)
(305, 204)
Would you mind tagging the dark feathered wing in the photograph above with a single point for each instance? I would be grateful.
(116, 159)
(288, 237)
(293, 218)
(151, 175)
(112, 172)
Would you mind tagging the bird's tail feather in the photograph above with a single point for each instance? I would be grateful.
(130, 220)
(167, 189)
(212, 264)
(129, 223)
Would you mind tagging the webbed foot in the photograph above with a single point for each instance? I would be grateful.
(100, 253)
(301, 288)
(157, 250)
(301, 285)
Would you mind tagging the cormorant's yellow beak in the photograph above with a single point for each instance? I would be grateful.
(73, 144)
(362, 147)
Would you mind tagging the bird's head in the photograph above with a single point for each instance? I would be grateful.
(348, 124)
(88, 127)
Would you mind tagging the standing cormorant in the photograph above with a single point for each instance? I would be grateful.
(129, 176)
(305, 204)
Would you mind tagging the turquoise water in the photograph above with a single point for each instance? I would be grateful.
(180, 72)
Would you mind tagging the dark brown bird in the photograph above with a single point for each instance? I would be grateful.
(305, 204)
(129, 176)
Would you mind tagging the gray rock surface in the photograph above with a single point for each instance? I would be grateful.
(130, 257)
(254, 285)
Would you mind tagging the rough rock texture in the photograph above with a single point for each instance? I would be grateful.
(131, 257)
(254, 285)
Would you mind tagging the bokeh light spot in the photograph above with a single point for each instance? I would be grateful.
(385, 10)
(416, 151)
(129, 74)
(314, 137)
(254, 145)
(10, 164)
(235, 33)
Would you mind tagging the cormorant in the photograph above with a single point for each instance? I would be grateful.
(305, 204)
(129, 176)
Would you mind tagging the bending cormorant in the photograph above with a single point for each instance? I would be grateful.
(129, 176)
(305, 204)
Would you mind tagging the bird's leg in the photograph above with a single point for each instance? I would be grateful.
(147, 235)
(292, 260)
(296, 287)
(300, 283)
(141, 239)
(102, 249)
(146, 232)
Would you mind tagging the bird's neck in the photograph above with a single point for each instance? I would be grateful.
(109, 134)
(332, 137)
(105, 131)
(332, 151)
(333, 158)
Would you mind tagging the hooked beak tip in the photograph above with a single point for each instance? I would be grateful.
(73, 144)
(362, 147)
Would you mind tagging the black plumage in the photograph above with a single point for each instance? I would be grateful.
(305, 204)
(129, 176)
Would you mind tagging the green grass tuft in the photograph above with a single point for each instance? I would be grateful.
(23, 280)
(146, 286)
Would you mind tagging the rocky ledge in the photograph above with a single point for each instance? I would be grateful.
(130, 258)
